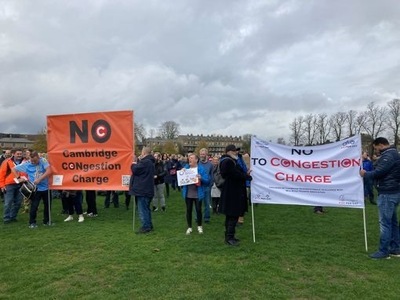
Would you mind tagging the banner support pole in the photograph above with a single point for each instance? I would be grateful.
(134, 212)
(48, 204)
(365, 231)
(252, 222)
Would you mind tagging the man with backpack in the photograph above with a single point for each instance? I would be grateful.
(233, 194)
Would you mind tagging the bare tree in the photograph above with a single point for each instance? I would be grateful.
(152, 133)
(351, 122)
(337, 122)
(375, 120)
(361, 119)
(393, 120)
(169, 130)
(323, 128)
(297, 131)
(140, 133)
(281, 141)
(310, 129)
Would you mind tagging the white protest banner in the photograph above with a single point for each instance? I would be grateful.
(324, 175)
(187, 176)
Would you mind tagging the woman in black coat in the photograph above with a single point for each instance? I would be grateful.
(233, 194)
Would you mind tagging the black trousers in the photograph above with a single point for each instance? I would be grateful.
(215, 204)
(74, 203)
(35, 205)
(91, 202)
(230, 227)
(189, 209)
(111, 195)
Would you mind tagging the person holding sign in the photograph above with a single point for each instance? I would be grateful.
(386, 174)
(193, 193)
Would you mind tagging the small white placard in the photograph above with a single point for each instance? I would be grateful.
(58, 179)
(187, 176)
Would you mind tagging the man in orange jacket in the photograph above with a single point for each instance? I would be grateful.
(12, 196)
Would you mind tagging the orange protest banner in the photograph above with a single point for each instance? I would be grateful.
(90, 151)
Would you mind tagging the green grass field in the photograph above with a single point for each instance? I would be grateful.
(297, 255)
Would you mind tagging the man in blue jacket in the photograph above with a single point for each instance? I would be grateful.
(142, 186)
(387, 176)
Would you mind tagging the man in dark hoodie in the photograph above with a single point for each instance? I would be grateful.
(387, 176)
(142, 186)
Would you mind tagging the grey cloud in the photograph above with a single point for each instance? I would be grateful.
(213, 66)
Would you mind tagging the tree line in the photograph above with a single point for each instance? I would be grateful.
(317, 129)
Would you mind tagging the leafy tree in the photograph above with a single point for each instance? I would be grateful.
(181, 149)
(40, 143)
(202, 144)
(169, 147)
(246, 142)
(169, 130)
(158, 148)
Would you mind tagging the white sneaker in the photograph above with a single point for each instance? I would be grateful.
(200, 229)
(70, 218)
(189, 231)
(81, 219)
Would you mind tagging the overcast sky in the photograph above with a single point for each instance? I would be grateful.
(214, 67)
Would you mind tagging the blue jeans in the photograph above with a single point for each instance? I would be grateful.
(368, 188)
(12, 202)
(389, 227)
(207, 201)
(144, 212)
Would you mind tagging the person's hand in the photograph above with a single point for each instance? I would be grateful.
(36, 181)
(20, 179)
(362, 172)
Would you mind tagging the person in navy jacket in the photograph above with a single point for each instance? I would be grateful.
(142, 186)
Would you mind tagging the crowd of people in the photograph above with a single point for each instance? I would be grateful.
(155, 174)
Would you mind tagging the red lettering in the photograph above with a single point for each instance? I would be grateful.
(303, 178)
